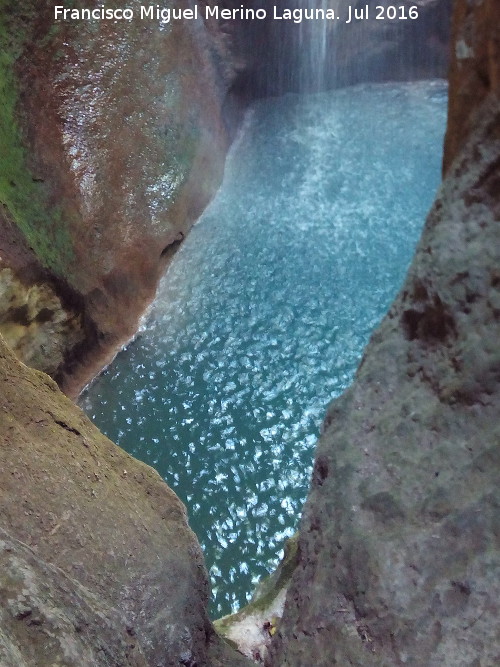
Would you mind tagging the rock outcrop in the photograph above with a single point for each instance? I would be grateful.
(399, 547)
(35, 322)
(251, 628)
(113, 141)
(47, 618)
(98, 564)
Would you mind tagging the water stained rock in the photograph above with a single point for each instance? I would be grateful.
(116, 136)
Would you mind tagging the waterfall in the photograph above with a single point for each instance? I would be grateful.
(383, 43)
(314, 42)
(301, 53)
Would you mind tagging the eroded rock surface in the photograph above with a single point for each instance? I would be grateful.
(35, 323)
(47, 618)
(105, 543)
(399, 547)
(113, 141)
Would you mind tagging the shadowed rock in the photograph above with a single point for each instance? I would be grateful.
(399, 550)
(97, 557)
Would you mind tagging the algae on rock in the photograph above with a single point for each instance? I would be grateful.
(251, 629)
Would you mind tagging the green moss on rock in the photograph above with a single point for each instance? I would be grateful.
(20, 192)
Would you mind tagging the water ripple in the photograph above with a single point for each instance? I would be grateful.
(265, 311)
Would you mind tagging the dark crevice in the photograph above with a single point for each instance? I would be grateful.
(171, 248)
(65, 426)
(432, 322)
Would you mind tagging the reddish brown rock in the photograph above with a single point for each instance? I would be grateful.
(115, 143)
(474, 71)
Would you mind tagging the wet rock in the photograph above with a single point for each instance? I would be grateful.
(115, 139)
(315, 54)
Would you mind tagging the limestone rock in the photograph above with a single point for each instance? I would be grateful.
(399, 548)
(104, 542)
(252, 627)
(35, 323)
(48, 619)
(399, 551)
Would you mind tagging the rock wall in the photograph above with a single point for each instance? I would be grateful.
(113, 141)
(399, 547)
(35, 323)
(475, 69)
(98, 564)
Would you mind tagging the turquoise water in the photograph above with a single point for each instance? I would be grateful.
(264, 313)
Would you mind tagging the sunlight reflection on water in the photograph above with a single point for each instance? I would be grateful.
(265, 311)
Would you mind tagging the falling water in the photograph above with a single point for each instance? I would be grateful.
(303, 49)
(314, 55)
(312, 45)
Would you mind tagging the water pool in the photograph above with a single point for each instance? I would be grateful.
(265, 310)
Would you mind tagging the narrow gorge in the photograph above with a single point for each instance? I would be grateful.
(114, 140)
(264, 312)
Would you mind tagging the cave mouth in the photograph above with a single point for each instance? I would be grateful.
(266, 308)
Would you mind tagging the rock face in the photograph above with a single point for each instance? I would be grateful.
(49, 619)
(98, 564)
(475, 69)
(35, 323)
(399, 548)
(113, 141)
